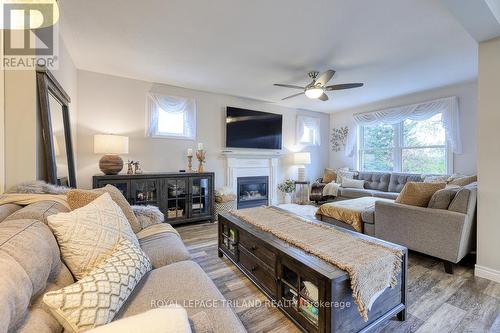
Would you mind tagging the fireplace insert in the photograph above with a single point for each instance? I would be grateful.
(252, 191)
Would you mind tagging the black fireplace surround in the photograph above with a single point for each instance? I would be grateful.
(252, 191)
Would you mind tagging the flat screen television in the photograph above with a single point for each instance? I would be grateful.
(253, 129)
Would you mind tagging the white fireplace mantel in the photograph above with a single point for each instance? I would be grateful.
(253, 164)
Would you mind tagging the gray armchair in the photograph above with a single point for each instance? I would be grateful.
(448, 234)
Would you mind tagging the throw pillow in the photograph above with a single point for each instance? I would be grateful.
(172, 318)
(463, 181)
(88, 235)
(353, 183)
(436, 179)
(96, 298)
(342, 173)
(442, 198)
(80, 198)
(329, 175)
(418, 193)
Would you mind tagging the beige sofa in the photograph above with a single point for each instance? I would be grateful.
(31, 265)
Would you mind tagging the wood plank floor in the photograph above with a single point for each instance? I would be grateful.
(438, 302)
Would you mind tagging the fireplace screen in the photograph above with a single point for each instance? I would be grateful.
(252, 191)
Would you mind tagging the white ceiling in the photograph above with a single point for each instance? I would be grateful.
(242, 47)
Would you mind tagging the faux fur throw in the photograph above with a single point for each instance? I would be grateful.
(148, 215)
(372, 266)
(38, 187)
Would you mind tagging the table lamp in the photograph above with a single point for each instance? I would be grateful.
(110, 145)
(302, 159)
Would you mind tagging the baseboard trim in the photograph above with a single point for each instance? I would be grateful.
(487, 273)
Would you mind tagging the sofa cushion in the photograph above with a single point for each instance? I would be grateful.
(38, 211)
(398, 181)
(385, 195)
(375, 180)
(442, 198)
(163, 245)
(186, 284)
(354, 192)
(418, 194)
(87, 235)
(96, 298)
(8, 209)
(29, 258)
(353, 183)
(80, 198)
(462, 202)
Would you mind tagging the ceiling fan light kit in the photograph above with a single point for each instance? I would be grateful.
(317, 88)
(314, 92)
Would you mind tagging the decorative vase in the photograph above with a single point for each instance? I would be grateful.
(287, 197)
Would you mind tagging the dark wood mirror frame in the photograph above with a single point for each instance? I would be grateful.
(47, 84)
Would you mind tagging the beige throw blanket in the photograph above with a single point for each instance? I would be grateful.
(372, 266)
(331, 189)
(25, 199)
(349, 211)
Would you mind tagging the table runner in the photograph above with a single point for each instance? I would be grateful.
(372, 266)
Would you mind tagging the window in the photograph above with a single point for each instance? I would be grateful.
(171, 117)
(409, 146)
(308, 131)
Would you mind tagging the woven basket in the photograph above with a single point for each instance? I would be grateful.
(224, 207)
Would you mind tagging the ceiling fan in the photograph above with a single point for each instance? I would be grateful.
(317, 88)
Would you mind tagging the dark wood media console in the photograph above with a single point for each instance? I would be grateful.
(314, 294)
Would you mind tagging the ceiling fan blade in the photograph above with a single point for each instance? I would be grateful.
(295, 95)
(323, 97)
(344, 86)
(288, 86)
(325, 77)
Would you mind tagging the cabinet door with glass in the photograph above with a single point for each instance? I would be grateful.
(144, 192)
(200, 196)
(122, 185)
(300, 293)
(174, 204)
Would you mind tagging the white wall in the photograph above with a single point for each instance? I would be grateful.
(110, 104)
(488, 226)
(467, 95)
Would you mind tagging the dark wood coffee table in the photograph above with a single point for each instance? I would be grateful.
(313, 293)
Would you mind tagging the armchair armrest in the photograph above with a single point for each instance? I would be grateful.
(437, 232)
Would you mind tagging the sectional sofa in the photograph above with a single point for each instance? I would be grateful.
(447, 232)
(31, 265)
(377, 184)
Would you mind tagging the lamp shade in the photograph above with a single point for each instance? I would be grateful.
(110, 144)
(302, 158)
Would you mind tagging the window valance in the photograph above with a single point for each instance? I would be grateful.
(447, 106)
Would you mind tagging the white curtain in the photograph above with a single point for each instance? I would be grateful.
(447, 106)
(171, 104)
(312, 124)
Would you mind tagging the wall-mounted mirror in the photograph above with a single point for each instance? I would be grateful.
(56, 130)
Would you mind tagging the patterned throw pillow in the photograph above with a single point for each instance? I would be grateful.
(329, 175)
(88, 235)
(94, 300)
(418, 193)
(343, 173)
(79, 198)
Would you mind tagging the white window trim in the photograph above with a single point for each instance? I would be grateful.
(315, 122)
(398, 150)
(152, 108)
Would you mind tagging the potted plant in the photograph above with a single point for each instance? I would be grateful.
(287, 188)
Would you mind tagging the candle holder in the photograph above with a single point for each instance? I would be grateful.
(190, 163)
(200, 155)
